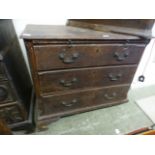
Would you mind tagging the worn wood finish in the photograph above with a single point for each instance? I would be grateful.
(12, 113)
(73, 56)
(54, 82)
(60, 105)
(85, 41)
(76, 70)
(133, 23)
(136, 27)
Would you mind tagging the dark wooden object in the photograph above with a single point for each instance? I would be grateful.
(74, 79)
(4, 129)
(76, 70)
(137, 27)
(16, 94)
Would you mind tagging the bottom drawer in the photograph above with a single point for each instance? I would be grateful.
(70, 103)
(12, 114)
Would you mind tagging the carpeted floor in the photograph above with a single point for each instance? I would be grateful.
(119, 119)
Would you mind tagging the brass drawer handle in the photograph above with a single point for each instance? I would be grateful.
(68, 83)
(122, 56)
(106, 96)
(114, 77)
(68, 60)
(74, 101)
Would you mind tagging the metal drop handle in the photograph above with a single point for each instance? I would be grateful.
(68, 60)
(74, 101)
(110, 97)
(68, 83)
(123, 55)
(113, 77)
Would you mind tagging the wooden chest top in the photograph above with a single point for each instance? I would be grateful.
(76, 70)
(69, 32)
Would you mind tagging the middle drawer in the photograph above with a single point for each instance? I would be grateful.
(63, 80)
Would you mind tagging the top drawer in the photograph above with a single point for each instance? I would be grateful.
(85, 55)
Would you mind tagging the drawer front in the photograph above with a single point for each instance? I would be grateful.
(61, 104)
(63, 56)
(11, 114)
(71, 79)
(6, 94)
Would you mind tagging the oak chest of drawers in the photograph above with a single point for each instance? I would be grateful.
(76, 70)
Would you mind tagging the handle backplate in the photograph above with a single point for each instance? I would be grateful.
(68, 59)
(69, 104)
(121, 56)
